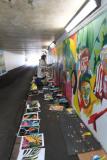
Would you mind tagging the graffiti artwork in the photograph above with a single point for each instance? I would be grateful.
(84, 71)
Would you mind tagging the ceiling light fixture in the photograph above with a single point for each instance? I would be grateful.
(53, 44)
(86, 9)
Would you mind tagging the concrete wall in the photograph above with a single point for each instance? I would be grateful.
(13, 59)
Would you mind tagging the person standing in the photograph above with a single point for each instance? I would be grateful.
(41, 70)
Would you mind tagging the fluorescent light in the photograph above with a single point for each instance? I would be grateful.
(88, 8)
(52, 45)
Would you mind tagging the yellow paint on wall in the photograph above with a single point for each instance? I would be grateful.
(73, 43)
(75, 103)
(59, 49)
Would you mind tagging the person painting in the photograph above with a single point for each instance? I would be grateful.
(41, 70)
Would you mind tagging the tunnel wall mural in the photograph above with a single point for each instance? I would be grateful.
(81, 72)
(2, 63)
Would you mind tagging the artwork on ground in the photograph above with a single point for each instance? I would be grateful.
(31, 116)
(82, 63)
(2, 63)
(29, 123)
(32, 154)
(23, 131)
(36, 140)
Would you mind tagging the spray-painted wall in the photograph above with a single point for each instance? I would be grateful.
(82, 74)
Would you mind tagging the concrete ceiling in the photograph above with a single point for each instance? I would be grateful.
(25, 26)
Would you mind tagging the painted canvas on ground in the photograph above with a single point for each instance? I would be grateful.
(23, 131)
(32, 103)
(56, 107)
(32, 154)
(30, 123)
(29, 110)
(36, 140)
(32, 116)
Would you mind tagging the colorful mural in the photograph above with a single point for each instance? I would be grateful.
(82, 73)
(82, 68)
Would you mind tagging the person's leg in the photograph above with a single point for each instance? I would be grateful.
(38, 81)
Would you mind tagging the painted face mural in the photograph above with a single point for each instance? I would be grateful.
(85, 89)
(85, 93)
(101, 77)
(84, 59)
